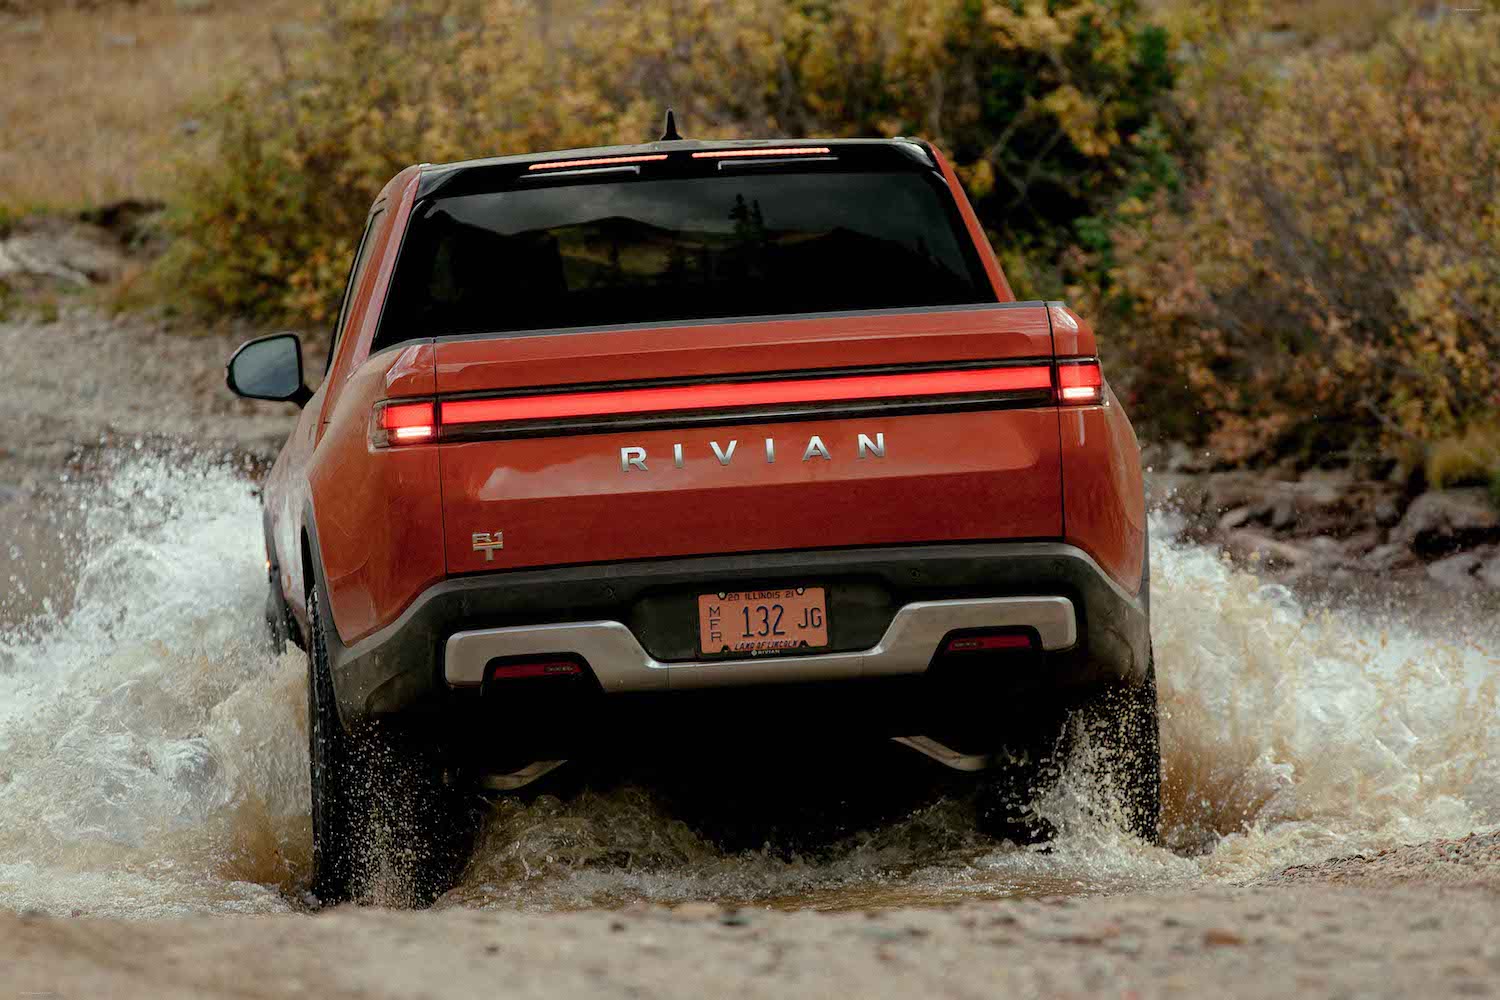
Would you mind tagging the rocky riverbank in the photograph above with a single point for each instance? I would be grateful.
(1332, 529)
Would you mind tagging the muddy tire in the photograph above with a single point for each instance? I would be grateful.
(1010, 789)
(385, 824)
(333, 771)
(1116, 737)
(1113, 736)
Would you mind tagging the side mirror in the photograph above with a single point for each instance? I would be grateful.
(268, 368)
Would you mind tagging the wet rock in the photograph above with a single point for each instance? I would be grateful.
(1387, 511)
(72, 258)
(1362, 541)
(1220, 937)
(1328, 551)
(1391, 555)
(1229, 490)
(1252, 546)
(1443, 520)
(1489, 573)
(1236, 518)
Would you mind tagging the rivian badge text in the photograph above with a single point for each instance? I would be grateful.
(634, 458)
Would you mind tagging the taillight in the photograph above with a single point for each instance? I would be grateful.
(1080, 382)
(404, 423)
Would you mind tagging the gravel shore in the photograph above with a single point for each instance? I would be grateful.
(1303, 940)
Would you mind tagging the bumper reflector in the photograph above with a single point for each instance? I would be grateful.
(988, 643)
(539, 668)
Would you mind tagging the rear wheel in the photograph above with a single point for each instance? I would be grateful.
(1111, 739)
(385, 825)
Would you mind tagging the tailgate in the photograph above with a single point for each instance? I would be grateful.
(704, 438)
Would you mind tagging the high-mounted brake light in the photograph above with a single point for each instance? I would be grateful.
(405, 423)
(727, 154)
(744, 395)
(1080, 383)
(597, 161)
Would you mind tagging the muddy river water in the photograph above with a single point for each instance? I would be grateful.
(153, 749)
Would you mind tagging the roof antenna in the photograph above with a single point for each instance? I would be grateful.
(669, 131)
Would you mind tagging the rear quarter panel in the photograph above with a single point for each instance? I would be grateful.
(378, 512)
(1104, 505)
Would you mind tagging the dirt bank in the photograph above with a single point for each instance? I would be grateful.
(1304, 940)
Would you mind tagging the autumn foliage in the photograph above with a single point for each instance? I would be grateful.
(1330, 283)
(1041, 106)
(1289, 253)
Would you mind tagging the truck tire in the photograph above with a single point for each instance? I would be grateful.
(385, 824)
(1118, 728)
(333, 772)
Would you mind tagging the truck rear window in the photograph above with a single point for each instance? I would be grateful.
(683, 248)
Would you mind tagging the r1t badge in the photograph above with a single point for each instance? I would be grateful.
(487, 542)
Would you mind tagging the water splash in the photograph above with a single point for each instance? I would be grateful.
(152, 749)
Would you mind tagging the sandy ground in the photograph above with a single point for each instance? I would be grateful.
(1422, 919)
(1304, 940)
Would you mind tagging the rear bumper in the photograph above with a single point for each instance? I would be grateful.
(903, 600)
(621, 664)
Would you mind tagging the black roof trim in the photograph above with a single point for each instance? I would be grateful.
(435, 176)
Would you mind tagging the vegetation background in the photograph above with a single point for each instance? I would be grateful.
(1282, 215)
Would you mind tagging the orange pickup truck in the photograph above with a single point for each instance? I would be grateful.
(619, 445)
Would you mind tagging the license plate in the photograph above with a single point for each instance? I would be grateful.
(747, 622)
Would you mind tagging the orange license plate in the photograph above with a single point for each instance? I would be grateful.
(747, 622)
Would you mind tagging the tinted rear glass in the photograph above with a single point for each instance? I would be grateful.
(684, 248)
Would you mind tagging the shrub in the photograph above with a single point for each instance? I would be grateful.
(1043, 105)
(1469, 459)
(1331, 282)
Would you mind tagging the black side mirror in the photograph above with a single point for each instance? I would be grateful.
(269, 368)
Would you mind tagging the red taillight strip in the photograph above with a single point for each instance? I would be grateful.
(725, 154)
(597, 161)
(736, 395)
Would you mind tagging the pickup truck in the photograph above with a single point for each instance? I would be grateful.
(687, 443)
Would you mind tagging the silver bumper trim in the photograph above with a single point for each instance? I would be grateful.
(622, 665)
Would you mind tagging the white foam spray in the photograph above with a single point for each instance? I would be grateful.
(153, 760)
